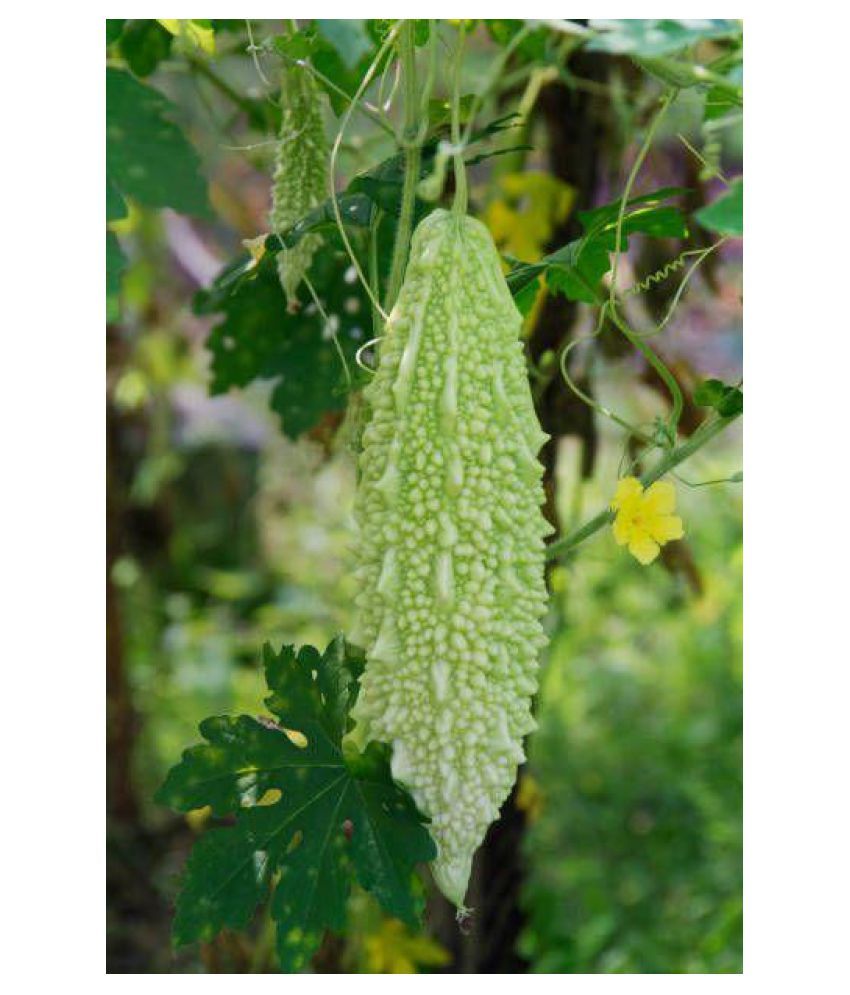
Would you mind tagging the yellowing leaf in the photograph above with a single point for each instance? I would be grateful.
(198, 818)
(197, 35)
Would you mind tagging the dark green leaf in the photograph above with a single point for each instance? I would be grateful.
(115, 265)
(115, 206)
(525, 297)
(636, 36)
(224, 881)
(605, 216)
(113, 30)
(576, 270)
(355, 209)
(330, 816)
(718, 103)
(306, 683)
(726, 214)
(147, 156)
(296, 45)
(724, 399)
(348, 37)
(260, 340)
(144, 44)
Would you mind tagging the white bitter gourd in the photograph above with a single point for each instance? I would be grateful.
(450, 551)
(300, 173)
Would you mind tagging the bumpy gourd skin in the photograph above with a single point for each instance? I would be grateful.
(450, 545)
(300, 174)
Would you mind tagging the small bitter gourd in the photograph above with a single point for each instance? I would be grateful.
(450, 551)
(300, 173)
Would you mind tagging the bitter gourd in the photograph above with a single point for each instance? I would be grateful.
(450, 546)
(300, 173)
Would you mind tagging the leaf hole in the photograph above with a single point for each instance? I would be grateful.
(271, 797)
(296, 738)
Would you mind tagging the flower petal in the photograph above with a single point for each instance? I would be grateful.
(622, 529)
(664, 528)
(660, 498)
(628, 490)
(643, 548)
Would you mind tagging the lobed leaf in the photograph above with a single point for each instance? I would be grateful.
(307, 813)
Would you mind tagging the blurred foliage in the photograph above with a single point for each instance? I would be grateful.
(635, 856)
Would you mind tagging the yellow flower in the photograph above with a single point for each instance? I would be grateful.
(644, 520)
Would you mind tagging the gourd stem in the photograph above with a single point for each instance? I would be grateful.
(704, 434)
(461, 193)
(411, 141)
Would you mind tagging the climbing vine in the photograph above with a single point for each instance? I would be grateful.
(382, 311)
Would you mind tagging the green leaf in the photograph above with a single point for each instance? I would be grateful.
(636, 36)
(144, 44)
(348, 37)
(644, 218)
(223, 883)
(725, 97)
(331, 815)
(724, 399)
(575, 270)
(726, 214)
(147, 156)
(115, 206)
(525, 297)
(260, 339)
(116, 263)
(113, 30)
(355, 209)
(678, 74)
(297, 44)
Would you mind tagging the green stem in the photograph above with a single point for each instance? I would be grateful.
(389, 41)
(667, 99)
(411, 141)
(704, 434)
(660, 368)
(461, 198)
(649, 354)
(374, 275)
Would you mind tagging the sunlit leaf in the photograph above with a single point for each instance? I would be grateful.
(726, 214)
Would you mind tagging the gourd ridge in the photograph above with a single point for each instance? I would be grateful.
(450, 550)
